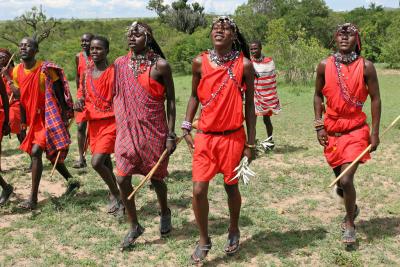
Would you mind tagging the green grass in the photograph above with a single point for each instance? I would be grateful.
(288, 216)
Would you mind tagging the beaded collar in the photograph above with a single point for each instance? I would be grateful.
(258, 60)
(140, 63)
(232, 55)
(346, 58)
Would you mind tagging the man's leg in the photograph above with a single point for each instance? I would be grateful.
(200, 209)
(81, 145)
(7, 191)
(21, 136)
(268, 125)
(100, 166)
(234, 203)
(125, 189)
(165, 215)
(37, 169)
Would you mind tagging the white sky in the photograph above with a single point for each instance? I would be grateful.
(137, 8)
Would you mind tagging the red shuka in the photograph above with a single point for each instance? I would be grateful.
(219, 153)
(348, 132)
(98, 93)
(15, 111)
(83, 63)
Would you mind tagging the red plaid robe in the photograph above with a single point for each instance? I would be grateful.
(142, 128)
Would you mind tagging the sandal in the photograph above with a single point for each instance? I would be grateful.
(79, 164)
(232, 244)
(5, 194)
(343, 224)
(349, 236)
(165, 223)
(28, 205)
(116, 208)
(201, 252)
(130, 238)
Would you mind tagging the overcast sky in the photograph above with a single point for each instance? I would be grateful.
(137, 8)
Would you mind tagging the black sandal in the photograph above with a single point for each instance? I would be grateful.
(349, 236)
(130, 238)
(5, 194)
(79, 164)
(232, 244)
(343, 225)
(165, 223)
(28, 205)
(201, 252)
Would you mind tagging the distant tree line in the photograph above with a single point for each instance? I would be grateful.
(298, 34)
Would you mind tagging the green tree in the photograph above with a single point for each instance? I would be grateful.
(390, 48)
(180, 15)
(33, 23)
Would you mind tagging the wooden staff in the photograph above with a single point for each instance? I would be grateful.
(363, 153)
(6, 67)
(153, 170)
(59, 152)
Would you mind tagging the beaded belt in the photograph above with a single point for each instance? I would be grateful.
(345, 132)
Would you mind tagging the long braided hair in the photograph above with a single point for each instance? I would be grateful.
(150, 41)
(239, 43)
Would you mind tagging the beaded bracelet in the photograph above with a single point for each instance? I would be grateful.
(186, 125)
(249, 146)
(318, 123)
(317, 129)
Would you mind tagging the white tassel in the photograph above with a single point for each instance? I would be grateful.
(267, 144)
(243, 171)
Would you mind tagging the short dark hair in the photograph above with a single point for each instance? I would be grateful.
(102, 39)
(257, 42)
(32, 41)
(91, 35)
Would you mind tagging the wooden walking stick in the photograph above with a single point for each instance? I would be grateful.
(6, 67)
(363, 153)
(153, 170)
(59, 152)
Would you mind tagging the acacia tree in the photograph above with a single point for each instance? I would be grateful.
(180, 15)
(33, 23)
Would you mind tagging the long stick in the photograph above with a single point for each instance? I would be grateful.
(8, 64)
(153, 170)
(363, 153)
(59, 152)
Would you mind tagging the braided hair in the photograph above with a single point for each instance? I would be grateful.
(239, 43)
(150, 41)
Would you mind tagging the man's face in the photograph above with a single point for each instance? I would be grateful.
(346, 41)
(137, 40)
(97, 51)
(85, 42)
(3, 60)
(27, 49)
(222, 34)
(255, 50)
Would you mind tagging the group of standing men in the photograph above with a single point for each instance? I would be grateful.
(122, 107)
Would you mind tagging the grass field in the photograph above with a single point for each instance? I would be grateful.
(288, 216)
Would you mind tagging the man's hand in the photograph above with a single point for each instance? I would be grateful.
(374, 141)
(322, 137)
(4, 72)
(79, 105)
(171, 146)
(189, 141)
(249, 153)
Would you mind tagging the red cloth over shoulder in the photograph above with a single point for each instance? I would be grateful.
(153, 87)
(225, 111)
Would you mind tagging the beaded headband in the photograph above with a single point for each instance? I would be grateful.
(137, 27)
(347, 27)
(227, 20)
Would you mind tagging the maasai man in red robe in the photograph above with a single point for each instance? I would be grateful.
(266, 99)
(96, 91)
(143, 83)
(46, 106)
(7, 189)
(82, 60)
(15, 111)
(219, 78)
(346, 79)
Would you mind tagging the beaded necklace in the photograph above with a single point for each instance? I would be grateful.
(140, 63)
(339, 59)
(227, 61)
(258, 60)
